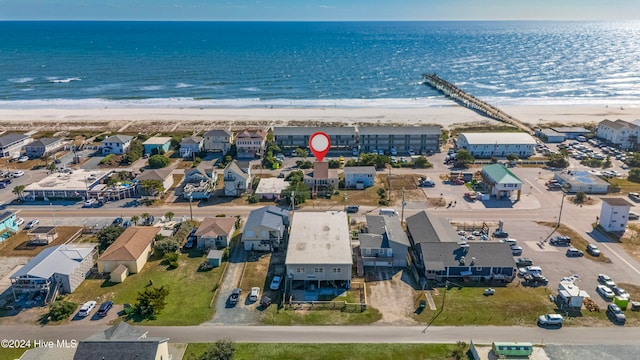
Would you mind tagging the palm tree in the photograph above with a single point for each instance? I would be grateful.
(135, 219)
(19, 190)
(169, 215)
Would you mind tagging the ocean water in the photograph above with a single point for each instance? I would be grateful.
(299, 64)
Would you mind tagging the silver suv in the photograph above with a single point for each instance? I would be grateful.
(550, 319)
(616, 314)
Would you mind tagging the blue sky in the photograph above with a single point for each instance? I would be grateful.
(319, 9)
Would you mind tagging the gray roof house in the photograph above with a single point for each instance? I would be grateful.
(439, 255)
(165, 176)
(12, 143)
(190, 146)
(236, 180)
(384, 244)
(122, 341)
(265, 228)
(43, 146)
(359, 177)
(58, 268)
(116, 144)
(199, 181)
(218, 140)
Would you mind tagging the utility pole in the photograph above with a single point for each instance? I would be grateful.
(561, 205)
(190, 208)
(403, 204)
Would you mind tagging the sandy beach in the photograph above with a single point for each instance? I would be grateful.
(196, 119)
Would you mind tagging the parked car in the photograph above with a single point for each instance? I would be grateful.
(265, 301)
(18, 173)
(529, 270)
(234, 298)
(500, 234)
(255, 294)
(616, 314)
(593, 250)
(86, 308)
(19, 221)
(275, 283)
(104, 308)
(117, 221)
(516, 250)
(560, 241)
(351, 209)
(522, 262)
(32, 224)
(126, 223)
(22, 159)
(606, 280)
(149, 220)
(634, 216)
(620, 292)
(550, 319)
(89, 203)
(605, 292)
(573, 252)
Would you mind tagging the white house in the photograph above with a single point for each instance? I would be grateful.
(236, 180)
(319, 250)
(614, 214)
(265, 228)
(116, 144)
(501, 181)
(250, 143)
(271, 188)
(190, 146)
(218, 140)
(486, 145)
(10, 144)
(618, 132)
(359, 177)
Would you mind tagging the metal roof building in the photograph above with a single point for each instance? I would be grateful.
(498, 144)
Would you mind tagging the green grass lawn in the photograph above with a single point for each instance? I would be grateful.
(11, 354)
(332, 351)
(190, 291)
(468, 306)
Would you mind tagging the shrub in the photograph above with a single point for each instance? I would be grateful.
(158, 161)
(60, 310)
(205, 266)
(253, 199)
(169, 257)
(167, 246)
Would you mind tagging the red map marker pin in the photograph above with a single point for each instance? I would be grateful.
(319, 144)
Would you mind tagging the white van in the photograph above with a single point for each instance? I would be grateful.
(388, 211)
(511, 242)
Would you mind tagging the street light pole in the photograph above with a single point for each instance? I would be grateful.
(190, 208)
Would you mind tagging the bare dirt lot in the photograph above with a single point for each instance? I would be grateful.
(392, 294)
(17, 245)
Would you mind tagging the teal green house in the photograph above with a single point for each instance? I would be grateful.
(502, 183)
(157, 145)
(8, 222)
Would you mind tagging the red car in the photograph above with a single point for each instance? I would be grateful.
(457, 181)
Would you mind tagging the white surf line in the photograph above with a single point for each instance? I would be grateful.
(620, 257)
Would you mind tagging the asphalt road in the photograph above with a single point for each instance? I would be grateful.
(346, 334)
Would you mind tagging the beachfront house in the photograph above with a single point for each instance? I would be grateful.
(11, 144)
(116, 144)
(359, 177)
(265, 229)
(43, 146)
(215, 233)
(400, 139)
(191, 146)
(157, 145)
(250, 143)
(290, 138)
(619, 132)
(236, 180)
(487, 145)
(218, 140)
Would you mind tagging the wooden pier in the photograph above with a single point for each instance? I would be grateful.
(470, 101)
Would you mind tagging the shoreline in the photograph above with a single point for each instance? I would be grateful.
(200, 119)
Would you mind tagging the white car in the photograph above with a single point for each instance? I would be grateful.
(606, 280)
(19, 221)
(22, 159)
(32, 224)
(605, 292)
(275, 283)
(550, 319)
(18, 173)
(255, 294)
(86, 308)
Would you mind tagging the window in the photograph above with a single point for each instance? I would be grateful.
(300, 270)
(367, 251)
(381, 251)
(318, 270)
(337, 270)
